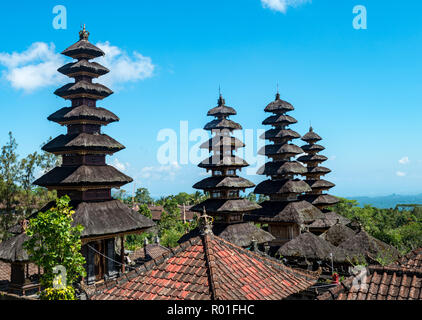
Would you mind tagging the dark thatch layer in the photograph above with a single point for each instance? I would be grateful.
(221, 124)
(320, 184)
(83, 66)
(321, 199)
(276, 149)
(83, 112)
(97, 218)
(11, 250)
(312, 158)
(362, 245)
(83, 88)
(279, 106)
(83, 175)
(319, 170)
(312, 247)
(298, 212)
(280, 134)
(221, 182)
(222, 109)
(240, 234)
(225, 206)
(85, 141)
(282, 186)
(312, 148)
(217, 142)
(281, 168)
(109, 217)
(83, 48)
(311, 136)
(330, 219)
(225, 161)
(338, 234)
(279, 120)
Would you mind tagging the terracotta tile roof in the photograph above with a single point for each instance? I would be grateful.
(382, 283)
(208, 268)
(412, 260)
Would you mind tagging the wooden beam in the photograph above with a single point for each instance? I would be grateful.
(122, 253)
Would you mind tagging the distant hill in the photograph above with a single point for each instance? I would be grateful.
(390, 201)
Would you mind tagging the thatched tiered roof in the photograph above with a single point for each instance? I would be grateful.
(84, 176)
(283, 188)
(224, 186)
(298, 212)
(83, 142)
(239, 234)
(84, 173)
(314, 172)
(337, 234)
(83, 113)
(311, 247)
(83, 67)
(364, 246)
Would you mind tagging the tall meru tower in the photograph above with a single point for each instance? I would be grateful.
(84, 175)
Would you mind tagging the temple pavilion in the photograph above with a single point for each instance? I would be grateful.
(226, 204)
(285, 213)
(84, 175)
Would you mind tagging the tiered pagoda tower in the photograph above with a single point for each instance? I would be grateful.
(313, 159)
(225, 204)
(285, 213)
(84, 174)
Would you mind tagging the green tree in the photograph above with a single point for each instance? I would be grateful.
(53, 241)
(399, 228)
(48, 161)
(144, 210)
(143, 196)
(9, 175)
(27, 169)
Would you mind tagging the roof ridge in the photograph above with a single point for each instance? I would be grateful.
(210, 261)
(394, 268)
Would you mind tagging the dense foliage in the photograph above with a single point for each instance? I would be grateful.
(18, 197)
(399, 228)
(170, 228)
(53, 242)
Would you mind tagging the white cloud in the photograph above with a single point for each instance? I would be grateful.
(124, 68)
(36, 67)
(119, 165)
(332, 158)
(404, 160)
(400, 174)
(33, 68)
(164, 172)
(282, 5)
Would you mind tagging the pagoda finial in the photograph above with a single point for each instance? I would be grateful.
(205, 223)
(83, 34)
(221, 100)
(277, 96)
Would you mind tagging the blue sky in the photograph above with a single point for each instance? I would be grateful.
(361, 89)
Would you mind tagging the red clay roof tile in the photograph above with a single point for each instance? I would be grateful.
(209, 267)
